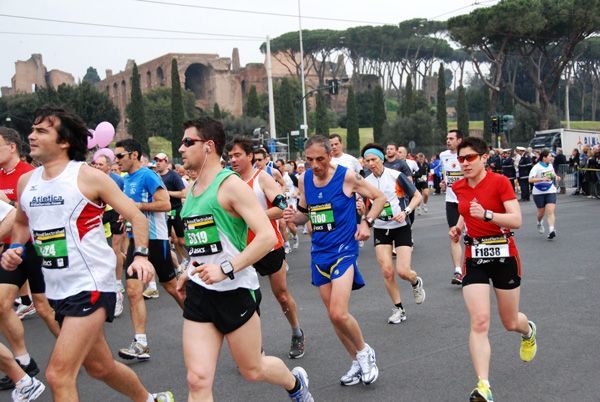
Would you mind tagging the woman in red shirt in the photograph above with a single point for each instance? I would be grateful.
(488, 210)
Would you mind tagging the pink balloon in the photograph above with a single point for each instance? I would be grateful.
(91, 141)
(106, 152)
(104, 134)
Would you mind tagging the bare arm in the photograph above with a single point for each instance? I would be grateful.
(279, 179)
(510, 219)
(271, 190)
(7, 223)
(160, 202)
(354, 183)
(177, 194)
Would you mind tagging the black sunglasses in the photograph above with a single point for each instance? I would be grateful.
(258, 160)
(188, 142)
(122, 155)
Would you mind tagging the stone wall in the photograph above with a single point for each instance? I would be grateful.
(32, 73)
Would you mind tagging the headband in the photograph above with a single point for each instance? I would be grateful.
(374, 151)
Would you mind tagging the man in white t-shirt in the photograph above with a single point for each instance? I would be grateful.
(339, 157)
(452, 173)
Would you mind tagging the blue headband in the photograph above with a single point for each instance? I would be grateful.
(376, 152)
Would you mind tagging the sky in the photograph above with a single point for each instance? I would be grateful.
(73, 35)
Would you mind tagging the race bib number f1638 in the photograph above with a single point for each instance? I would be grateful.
(321, 217)
(202, 236)
(51, 245)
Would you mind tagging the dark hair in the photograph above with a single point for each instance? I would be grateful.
(370, 145)
(393, 144)
(294, 165)
(72, 129)
(319, 139)
(543, 154)
(244, 143)
(260, 151)
(477, 144)
(12, 137)
(131, 145)
(332, 136)
(210, 130)
(459, 134)
(280, 160)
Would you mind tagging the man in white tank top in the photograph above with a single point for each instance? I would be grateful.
(61, 206)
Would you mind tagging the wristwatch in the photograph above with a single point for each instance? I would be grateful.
(370, 221)
(227, 269)
(489, 215)
(143, 251)
(407, 211)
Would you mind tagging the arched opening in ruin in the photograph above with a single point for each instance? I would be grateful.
(196, 76)
(148, 80)
(244, 88)
(124, 92)
(160, 77)
(115, 90)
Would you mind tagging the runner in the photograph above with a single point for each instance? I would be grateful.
(327, 195)
(421, 182)
(542, 176)
(393, 228)
(62, 202)
(452, 173)
(222, 295)
(146, 189)
(29, 271)
(488, 210)
(241, 155)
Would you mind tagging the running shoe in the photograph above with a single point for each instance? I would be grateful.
(425, 209)
(150, 293)
(135, 350)
(457, 278)
(25, 311)
(552, 235)
(119, 304)
(398, 315)
(17, 302)
(166, 396)
(303, 394)
(352, 377)
(419, 211)
(297, 346)
(29, 393)
(31, 369)
(418, 291)
(529, 346)
(368, 366)
(361, 243)
(540, 227)
(305, 230)
(295, 242)
(482, 393)
(287, 248)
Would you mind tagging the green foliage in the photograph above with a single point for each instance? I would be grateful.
(253, 108)
(418, 128)
(364, 105)
(408, 103)
(91, 76)
(177, 113)
(379, 115)
(392, 105)
(286, 119)
(442, 120)
(322, 123)
(448, 78)
(244, 125)
(508, 106)
(527, 122)
(135, 112)
(216, 112)
(462, 112)
(353, 139)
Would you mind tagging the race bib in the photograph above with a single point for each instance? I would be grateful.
(321, 217)
(386, 213)
(451, 177)
(202, 236)
(51, 245)
(492, 248)
(171, 215)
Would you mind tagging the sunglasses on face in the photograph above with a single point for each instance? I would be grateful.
(258, 160)
(468, 158)
(122, 155)
(188, 142)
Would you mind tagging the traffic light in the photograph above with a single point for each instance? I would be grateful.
(299, 143)
(333, 87)
(495, 124)
(506, 122)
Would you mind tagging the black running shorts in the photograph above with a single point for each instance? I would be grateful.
(505, 273)
(30, 269)
(452, 214)
(227, 311)
(271, 262)
(160, 257)
(83, 304)
(401, 236)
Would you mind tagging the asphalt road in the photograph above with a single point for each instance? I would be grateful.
(426, 358)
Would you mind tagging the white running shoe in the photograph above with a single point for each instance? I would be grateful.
(25, 311)
(287, 248)
(305, 230)
(119, 304)
(419, 292)
(368, 366)
(540, 227)
(398, 315)
(352, 377)
(295, 242)
(29, 393)
(425, 209)
(419, 211)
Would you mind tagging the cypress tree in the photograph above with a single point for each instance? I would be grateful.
(462, 111)
(322, 118)
(253, 108)
(408, 104)
(352, 139)
(286, 119)
(487, 104)
(216, 112)
(177, 114)
(442, 121)
(137, 118)
(379, 116)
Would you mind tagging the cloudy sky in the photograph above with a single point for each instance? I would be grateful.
(73, 35)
